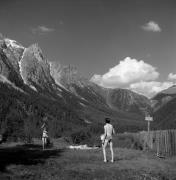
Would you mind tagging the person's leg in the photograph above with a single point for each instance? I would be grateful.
(112, 152)
(104, 150)
(43, 142)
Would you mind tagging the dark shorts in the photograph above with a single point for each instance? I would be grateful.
(108, 139)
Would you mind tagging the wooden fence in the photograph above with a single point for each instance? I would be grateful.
(163, 142)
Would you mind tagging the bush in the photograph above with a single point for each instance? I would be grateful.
(127, 140)
(81, 136)
(12, 127)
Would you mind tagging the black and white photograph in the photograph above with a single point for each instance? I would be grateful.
(87, 90)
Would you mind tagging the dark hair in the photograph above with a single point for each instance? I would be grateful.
(107, 120)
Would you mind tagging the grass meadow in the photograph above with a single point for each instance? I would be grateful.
(30, 162)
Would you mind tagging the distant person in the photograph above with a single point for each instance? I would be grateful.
(107, 139)
(45, 133)
(44, 138)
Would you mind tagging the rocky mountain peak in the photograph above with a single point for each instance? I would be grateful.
(13, 43)
(37, 52)
(35, 69)
(127, 100)
(67, 75)
(10, 55)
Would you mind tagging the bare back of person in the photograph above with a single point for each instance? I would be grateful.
(108, 133)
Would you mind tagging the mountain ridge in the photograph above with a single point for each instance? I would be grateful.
(79, 102)
(164, 104)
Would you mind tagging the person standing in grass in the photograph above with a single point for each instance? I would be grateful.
(108, 133)
(44, 138)
(45, 132)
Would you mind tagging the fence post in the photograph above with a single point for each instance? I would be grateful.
(158, 142)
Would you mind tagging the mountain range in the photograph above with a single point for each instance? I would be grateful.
(164, 108)
(31, 88)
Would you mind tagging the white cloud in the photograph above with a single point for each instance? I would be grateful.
(126, 72)
(135, 75)
(172, 76)
(42, 30)
(151, 88)
(151, 26)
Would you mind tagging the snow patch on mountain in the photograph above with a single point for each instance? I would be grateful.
(5, 80)
(59, 84)
(82, 104)
(13, 43)
(20, 67)
(59, 89)
(32, 87)
(84, 99)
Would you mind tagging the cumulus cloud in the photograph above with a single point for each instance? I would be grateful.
(172, 76)
(151, 26)
(42, 30)
(126, 72)
(150, 88)
(135, 75)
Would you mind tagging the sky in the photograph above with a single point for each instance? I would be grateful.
(114, 43)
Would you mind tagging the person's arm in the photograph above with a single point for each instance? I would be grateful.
(113, 131)
(105, 131)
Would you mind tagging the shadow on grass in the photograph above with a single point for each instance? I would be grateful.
(25, 155)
